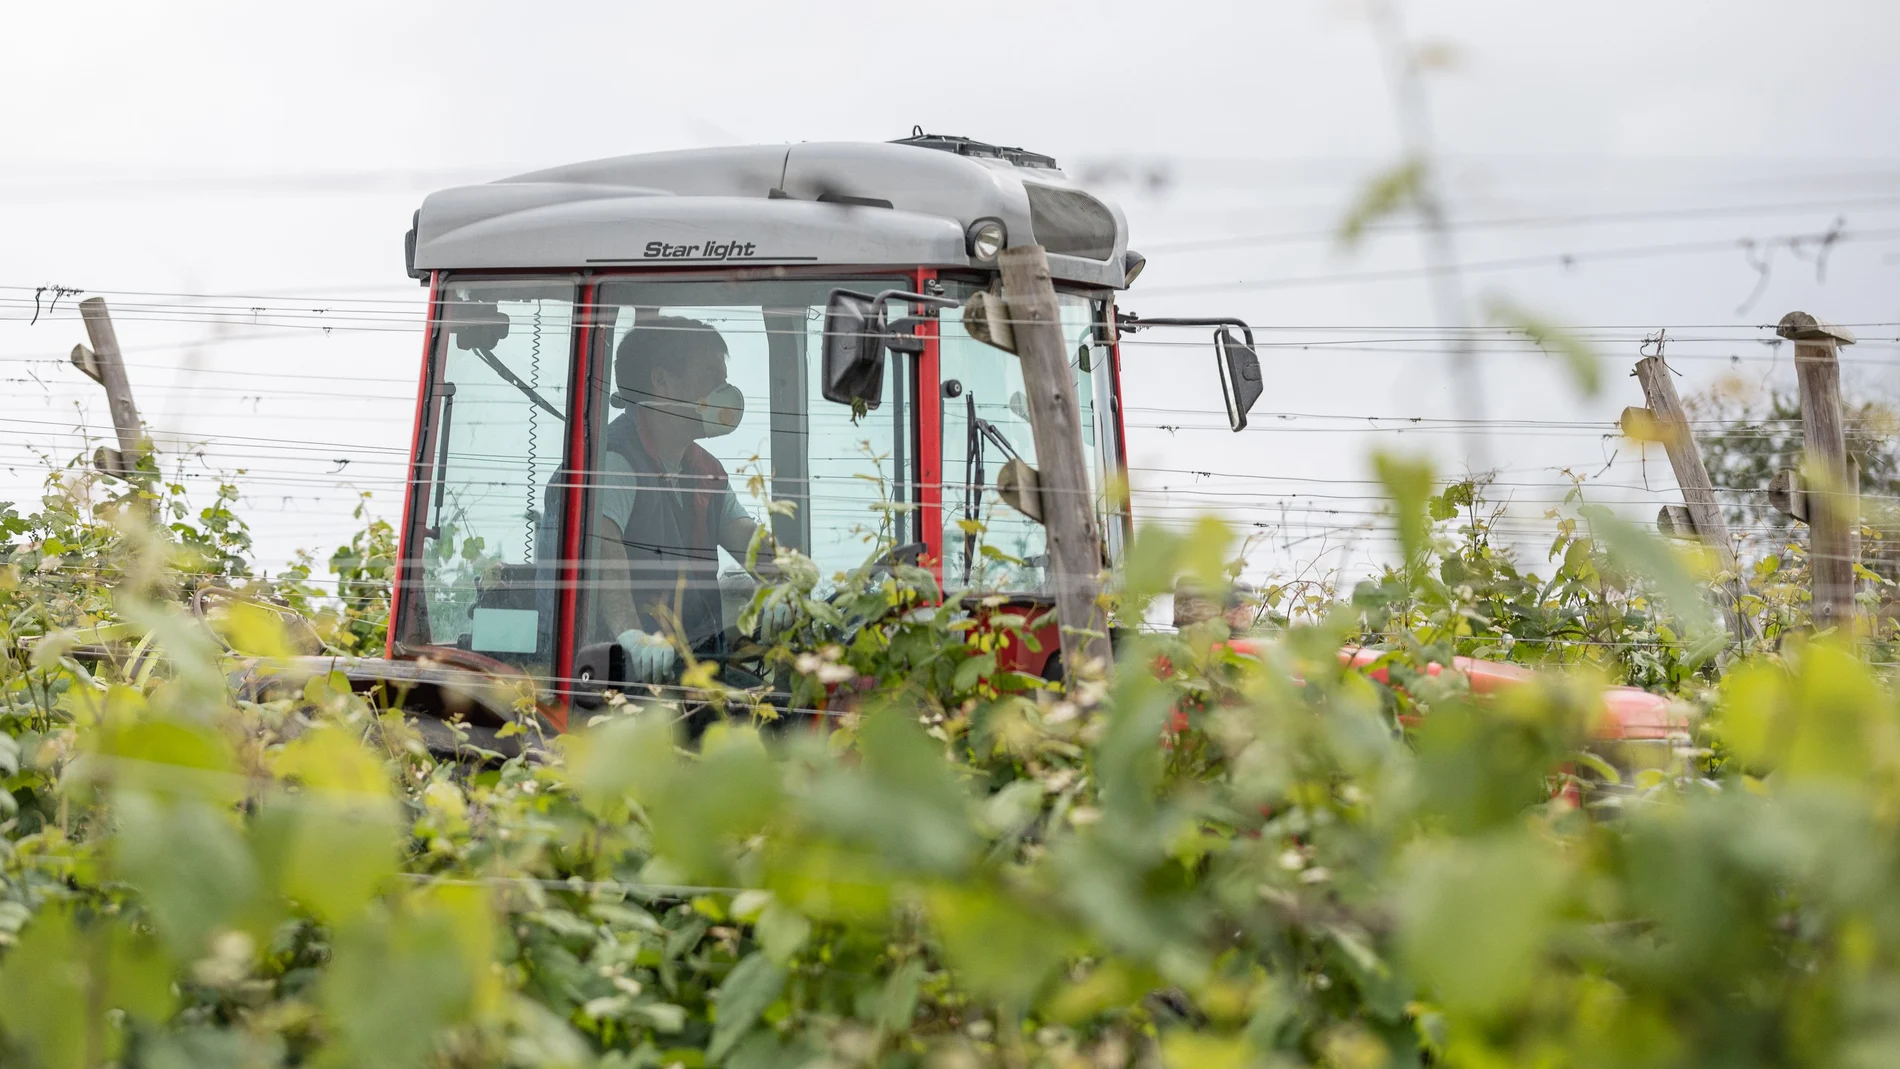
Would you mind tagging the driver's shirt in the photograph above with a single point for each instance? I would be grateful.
(616, 496)
(664, 539)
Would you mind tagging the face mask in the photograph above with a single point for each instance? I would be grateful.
(716, 414)
(720, 411)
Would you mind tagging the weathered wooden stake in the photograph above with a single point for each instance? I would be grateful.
(1075, 547)
(1666, 419)
(1833, 503)
(104, 364)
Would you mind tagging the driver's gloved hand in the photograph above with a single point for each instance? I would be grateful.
(650, 657)
(776, 618)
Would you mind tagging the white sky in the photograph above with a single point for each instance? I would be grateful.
(274, 153)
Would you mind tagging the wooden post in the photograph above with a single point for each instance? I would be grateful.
(1671, 424)
(107, 367)
(1075, 547)
(1832, 500)
(1665, 419)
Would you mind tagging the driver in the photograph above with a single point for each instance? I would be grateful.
(664, 505)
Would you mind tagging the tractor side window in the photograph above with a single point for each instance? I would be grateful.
(497, 411)
(1099, 386)
(987, 543)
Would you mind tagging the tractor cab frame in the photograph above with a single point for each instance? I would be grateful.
(858, 432)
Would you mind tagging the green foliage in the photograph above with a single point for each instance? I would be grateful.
(894, 852)
(354, 619)
(1616, 599)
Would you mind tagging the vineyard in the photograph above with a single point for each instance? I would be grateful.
(775, 536)
(907, 855)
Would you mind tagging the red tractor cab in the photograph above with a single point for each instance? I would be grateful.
(575, 310)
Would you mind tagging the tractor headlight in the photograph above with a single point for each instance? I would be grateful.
(985, 239)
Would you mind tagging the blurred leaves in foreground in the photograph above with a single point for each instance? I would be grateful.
(1222, 855)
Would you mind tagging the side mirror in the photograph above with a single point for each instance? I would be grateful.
(1239, 367)
(856, 336)
(854, 348)
(1239, 374)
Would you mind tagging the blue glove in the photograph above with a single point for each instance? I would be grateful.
(650, 658)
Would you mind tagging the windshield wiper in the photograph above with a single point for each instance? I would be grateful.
(515, 380)
(980, 430)
(995, 435)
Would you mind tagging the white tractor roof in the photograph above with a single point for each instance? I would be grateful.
(845, 203)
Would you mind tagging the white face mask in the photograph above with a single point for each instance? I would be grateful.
(716, 414)
(720, 411)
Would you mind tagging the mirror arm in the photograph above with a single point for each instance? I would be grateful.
(898, 337)
(1130, 322)
(925, 299)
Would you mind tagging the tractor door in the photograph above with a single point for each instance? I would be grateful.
(483, 539)
(821, 481)
(987, 544)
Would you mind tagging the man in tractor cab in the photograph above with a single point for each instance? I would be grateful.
(663, 505)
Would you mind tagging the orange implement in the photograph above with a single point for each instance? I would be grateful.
(1628, 712)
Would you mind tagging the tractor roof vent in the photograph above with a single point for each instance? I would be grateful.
(964, 146)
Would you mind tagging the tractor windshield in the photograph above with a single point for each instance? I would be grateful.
(832, 475)
(701, 420)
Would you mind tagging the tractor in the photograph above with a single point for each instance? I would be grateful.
(625, 356)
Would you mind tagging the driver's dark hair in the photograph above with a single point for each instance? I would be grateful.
(670, 342)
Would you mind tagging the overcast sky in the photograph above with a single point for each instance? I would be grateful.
(1606, 161)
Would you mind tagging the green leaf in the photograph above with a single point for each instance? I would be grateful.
(1475, 915)
(1151, 567)
(973, 670)
(1648, 555)
(1384, 195)
(1583, 363)
(752, 985)
(167, 756)
(782, 931)
(1184, 1049)
(620, 758)
(1840, 722)
(59, 972)
(728, 796)
(397, 980)
(43, 989)
(1408, 483)
(999, 946)
(898, 1002)
(332, 845)
(189, 864)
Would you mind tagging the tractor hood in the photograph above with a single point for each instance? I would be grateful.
(847, 204)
